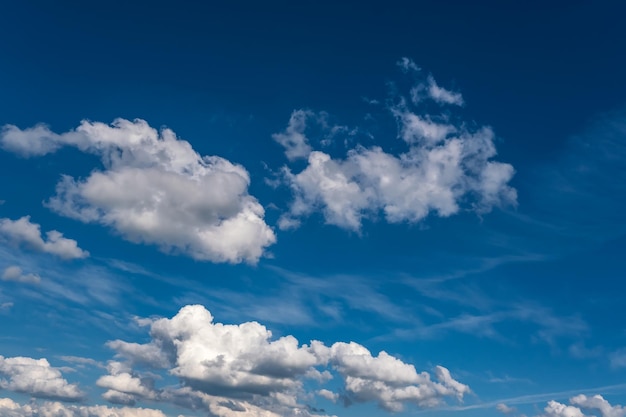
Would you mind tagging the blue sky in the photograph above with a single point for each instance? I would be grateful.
(247, 209)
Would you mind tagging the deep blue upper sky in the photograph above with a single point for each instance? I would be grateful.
(505, 269)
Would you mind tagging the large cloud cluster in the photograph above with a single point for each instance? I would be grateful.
(243, 366)
(156, 189)
(446, 165)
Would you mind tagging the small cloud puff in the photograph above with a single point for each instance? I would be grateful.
(23, 232)
(505, 409)
(407, 64)
(14, 273)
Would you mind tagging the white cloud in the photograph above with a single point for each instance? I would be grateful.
(80, 361)
(242, 364)
(596, 402)
(293, 138)
(15, 273)
(441, 95)
(156, 189)
(329, 395)
(446, 167)
(415, 129)
(123, 387)
(389, 381)
(149, 354)
(326, 184)
(505, 409)
(10, 408)
(407, 64)
(225, 407)
(37, 378)
(23, 232)
(34, 141)
(556, 409)
(583, 402)
(217, 358)
(408, 187)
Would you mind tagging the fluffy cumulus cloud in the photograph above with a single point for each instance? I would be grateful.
(10, 408)
(37, 378)
(156, 189)
(389, 381)
(123, 387)
(595, 403)
(15, 273)
(23, 232)
(232, 367)
(446, 166)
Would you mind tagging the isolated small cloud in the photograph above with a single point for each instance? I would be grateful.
(37, 378)
(23, 232)
(15, 273)
(505, 409)
(441, 95)
(407, 64)
(293, 138)
(155, 189)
